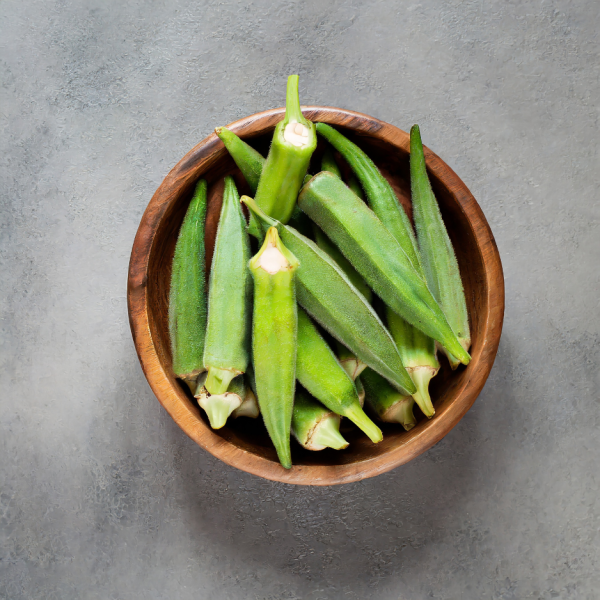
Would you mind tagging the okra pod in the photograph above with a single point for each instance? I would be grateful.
(227, 350)
(379, 192)
(332, 250)
(390, 405)
(187, 295)
(318, 370)
(326, 293)
(248, 160)
(439, 260)
(315, 427)
(355, 186)
(218, 407)
(377, 256)
(274, 336)
(417, 351)
(328, 163)
(294, 141)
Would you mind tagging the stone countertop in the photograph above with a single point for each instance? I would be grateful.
(101, 495)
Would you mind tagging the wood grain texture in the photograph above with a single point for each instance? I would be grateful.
(244, 443)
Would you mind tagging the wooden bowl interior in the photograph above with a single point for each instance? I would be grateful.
(250, 434)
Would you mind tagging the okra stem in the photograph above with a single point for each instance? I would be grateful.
(315, 427)
(218, 406)
(390, 405)
(249, 406)
(418, 354)
(274, 337)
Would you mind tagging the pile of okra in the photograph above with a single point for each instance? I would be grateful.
(342, 305)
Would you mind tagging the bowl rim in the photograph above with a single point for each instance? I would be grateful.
(199, 158)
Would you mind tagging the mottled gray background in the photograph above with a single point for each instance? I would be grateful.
(101, 495)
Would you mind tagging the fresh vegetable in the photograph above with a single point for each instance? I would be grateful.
(390, 405)
(328, 163)
(439, 261)
(326, 293)
(187, 295)
(318, 370)
(379, 192)
(248, 160)
(355, 186)
(274, 336)
(315, 427)
(377, 256)
(294, 141)
(332, 250)
(227, 349)
(417, 351)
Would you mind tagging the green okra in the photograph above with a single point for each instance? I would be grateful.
(332, 250)
(187, 295)
(379, 192)
(326, 293)
(328, 163)
(318, 370)
(227, 348)
(439, 260)
(294, 141)
(417, 351)
(390, 405)
(315, 427)
(218, 407)
(248, 160)
(377, 256)
(274, 339)
(249, 404)
(349, 361)
(355, 186)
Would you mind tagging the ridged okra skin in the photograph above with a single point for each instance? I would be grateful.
(328, 163)
(294, 141)
(248, 160)
(390, 405)
(437, 254)
(274, 339)
(227, 349)
(315, 427)
(318, 370)
(379, 192)
(187, 295)
(326, 293)
(417, 351)
(377, 256)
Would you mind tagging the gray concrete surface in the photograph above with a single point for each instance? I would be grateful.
(101, 495)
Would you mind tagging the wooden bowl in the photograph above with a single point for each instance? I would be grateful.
(244, 443)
